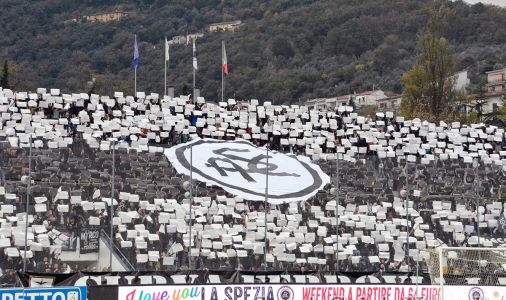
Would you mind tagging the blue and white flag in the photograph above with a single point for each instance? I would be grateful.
(136, 54)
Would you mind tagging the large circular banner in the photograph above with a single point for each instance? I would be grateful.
(244, 170)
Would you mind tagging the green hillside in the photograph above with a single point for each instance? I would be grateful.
(286, 50)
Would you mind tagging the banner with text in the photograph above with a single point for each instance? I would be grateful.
(64, 293)
(204, 277)
(90, 240)
(281, 292)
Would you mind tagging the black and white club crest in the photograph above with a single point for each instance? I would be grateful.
(240, 168)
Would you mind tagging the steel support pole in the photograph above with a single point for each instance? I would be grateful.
(407, 211)
(111, 207)
(337, 213)
(28, 192)
(191, 203)
(265, 204)
(477, 190)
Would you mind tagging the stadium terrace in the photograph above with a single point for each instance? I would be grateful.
(400, 189)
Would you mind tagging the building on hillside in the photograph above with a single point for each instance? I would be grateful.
(496, 81)
(392, 103)
(462, 81)
(225, 26)
(105, 17)
(368, 98)
(362, 99)
(69, 21)
(327, 103)
(496, 89)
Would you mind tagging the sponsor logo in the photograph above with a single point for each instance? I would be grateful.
(285, 293)
(73, 293)
(476, 293)
(245, 170)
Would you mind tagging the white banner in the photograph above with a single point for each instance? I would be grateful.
(239, 167)
(283, 292)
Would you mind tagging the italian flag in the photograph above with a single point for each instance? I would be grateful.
(224, 58)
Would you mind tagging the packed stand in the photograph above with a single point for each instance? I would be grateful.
(444, 171)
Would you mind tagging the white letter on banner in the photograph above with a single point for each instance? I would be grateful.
(7, 297)
(32, 296)
(58, 294)
(46, 295)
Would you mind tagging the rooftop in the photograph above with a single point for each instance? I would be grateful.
(496, 71)
(236, 22)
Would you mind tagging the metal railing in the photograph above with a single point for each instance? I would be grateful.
(117, 252)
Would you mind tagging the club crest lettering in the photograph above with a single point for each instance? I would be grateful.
(244, 170)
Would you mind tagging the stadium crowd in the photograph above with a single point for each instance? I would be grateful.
(452, 176)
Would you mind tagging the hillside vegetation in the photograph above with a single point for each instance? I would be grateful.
(287, 50)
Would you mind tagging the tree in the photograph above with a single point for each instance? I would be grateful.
(351, 103)
(476, 107)
(428, 86)
(498, 116)
(4, 80)
(281, 47)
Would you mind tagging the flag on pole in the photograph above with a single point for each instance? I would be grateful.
(166, 50)
(136, 54)
(194, 56)
(224, 59)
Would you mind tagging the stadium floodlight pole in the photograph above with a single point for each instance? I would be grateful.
(337, 214)
(111, 207)
(28, 191)
(265, 203)
(191, 203)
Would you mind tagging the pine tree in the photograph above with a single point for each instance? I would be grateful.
(428, 86)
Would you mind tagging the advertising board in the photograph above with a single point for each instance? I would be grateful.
(280, 292)
(63, 293)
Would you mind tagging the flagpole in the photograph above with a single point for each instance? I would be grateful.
(222, 74)
(193, 84)
(165, 72)
(165, 64)
(135, 72)
(135, 64)
(194, 67)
